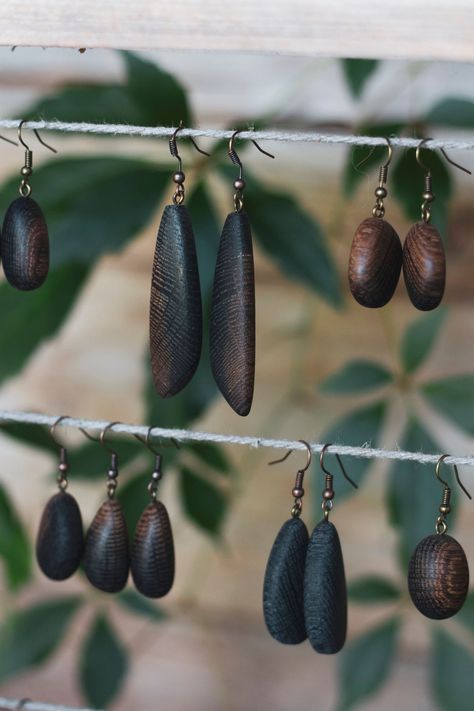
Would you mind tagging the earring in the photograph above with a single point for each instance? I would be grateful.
(375, 259)
(152, 557)
(106, 555)
(175, 299)
(232, 330)
(284, 574)
(325, 595)
(60, 539)
(424, 260)
(25, 241)
(438, 572)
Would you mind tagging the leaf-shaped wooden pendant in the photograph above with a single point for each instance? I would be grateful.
(175, 304)
(325, 596)
(232, 330)
(60, 539)
(152, 560)
(106, 557)
(375, 263)
(438, 576)
(25, 245)
(283, 584)
(424, 266)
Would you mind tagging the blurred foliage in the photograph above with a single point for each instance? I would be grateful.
(97, 205)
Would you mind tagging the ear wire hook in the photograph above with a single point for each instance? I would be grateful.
(174, 146)
(297, 491)
(8, 140)
(102, 441)
(387, 162)
(63, 465)
(52, 430)
(339, 460)
(445, 506)
(234, 156)
(43, 143)
(425, 167)
(328, 491)
(456, 473)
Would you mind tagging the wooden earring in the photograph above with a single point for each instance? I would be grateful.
(438, 572)
(375, 259)
(25, 241)
(232, 328)
(175, 298)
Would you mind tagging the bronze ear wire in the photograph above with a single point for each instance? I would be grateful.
(328, 492)
(179, 177)
(297, 491)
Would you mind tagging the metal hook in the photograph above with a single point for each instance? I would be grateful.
(234, 156)
(8, 140)
(425, 167)
(309, 456)
(43, 143)
(174, 146)
(52, 430)
(456, 473)
(389, 158)
(102, 441)
(339, 460)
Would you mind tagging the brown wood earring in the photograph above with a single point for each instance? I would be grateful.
(438, 572)
(375, 259)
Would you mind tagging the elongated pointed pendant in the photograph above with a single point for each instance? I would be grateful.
(232, 331)
(106, 556)
(424, 266)
(25, 245)
(175, 304)
(60, 539)
(152, 560)
(325, 596)
(283, 584)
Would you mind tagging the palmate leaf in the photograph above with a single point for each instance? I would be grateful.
(453, 398)
(204, 503)
(419, 339)
(372, 589)
(357, 376)
(103, 664)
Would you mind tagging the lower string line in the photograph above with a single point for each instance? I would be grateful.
(181, 435)
(29, 705)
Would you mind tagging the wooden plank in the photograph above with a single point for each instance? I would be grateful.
(427, 29)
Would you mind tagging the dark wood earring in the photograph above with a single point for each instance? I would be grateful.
(438, 572)
(375, 259)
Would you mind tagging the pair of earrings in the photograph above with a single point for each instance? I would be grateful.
(304, 590)
(175, 300)
(376, 256)
(60, 544)
(24, 236)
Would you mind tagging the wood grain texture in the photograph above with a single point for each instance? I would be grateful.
(375, 262)
(283, 584)
(25, 245)
(325, 596)
(152, 559)
(60, 539)
(232, 329)
(106, 556)
(175, 304)
(438, 577)
(424, 266)
(432, 30)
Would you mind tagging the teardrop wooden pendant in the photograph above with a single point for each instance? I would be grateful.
(60, 539)
(375, 263)
(232, 330)
(106, 557)
(152, 560)
(283, 584)
(175, 304)
(424, 266)
(25, 245)
(325, 596)
(438, 576)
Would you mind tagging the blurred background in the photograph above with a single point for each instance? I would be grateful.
(327, 370)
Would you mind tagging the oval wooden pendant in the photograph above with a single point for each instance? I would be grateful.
(60, 539)
(25, 245)
(424, 266)
(106, 557)
(283, 584)
(175, 304)
(438, 577)
(232, 329)
(325, 596)
(152, 559)
(375, 263)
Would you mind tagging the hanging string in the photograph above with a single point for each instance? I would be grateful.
(118, 129)
(28, 705)
(180, 435)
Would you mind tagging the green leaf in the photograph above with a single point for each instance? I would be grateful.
(31, 635)
(365, 663)
(28, 318)
(452, 678)
(466, 614)
(293, 240)
(361, 426)
(452, 112)
(212, 455)
(139, 605)
(419, 338)
(203, 501)
(15, 549)
(453, 397)
(357, 376)
(372, 589)
(31, 435)
(357, 72)
(103, 664)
